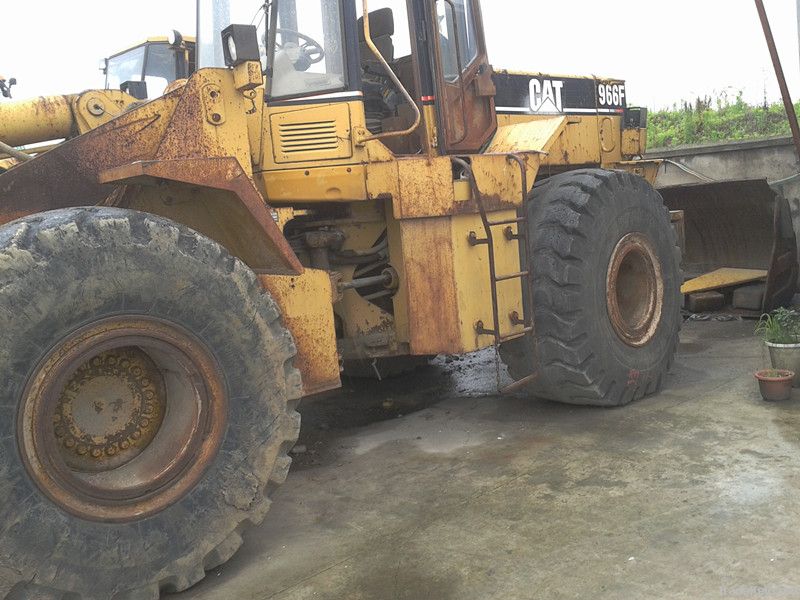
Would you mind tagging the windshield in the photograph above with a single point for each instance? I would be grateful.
(307, 53)
(127, 66)
(154, 63)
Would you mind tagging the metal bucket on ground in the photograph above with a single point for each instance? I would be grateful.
(741, 224)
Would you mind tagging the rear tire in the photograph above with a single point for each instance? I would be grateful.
(607, 299)
(68, 275)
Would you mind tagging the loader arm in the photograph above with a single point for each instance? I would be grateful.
(52, 118)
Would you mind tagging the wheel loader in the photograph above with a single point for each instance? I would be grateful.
(179, 273)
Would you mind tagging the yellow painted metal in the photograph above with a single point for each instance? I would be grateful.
(586, 140)
(314, 185)
(341, 117)
(634, 142)
(311, 134)
(306, 304)
(447, 283)
(247, 76)
(648, 169)
(46, 119)
(723, 278)
(524, 136)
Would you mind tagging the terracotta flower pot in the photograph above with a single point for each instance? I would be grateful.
(775, 384)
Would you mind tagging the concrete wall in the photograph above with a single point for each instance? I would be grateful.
(772, 159)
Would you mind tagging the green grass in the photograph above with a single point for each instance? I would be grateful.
(706, 121)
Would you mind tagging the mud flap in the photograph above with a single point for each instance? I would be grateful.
(744, 224)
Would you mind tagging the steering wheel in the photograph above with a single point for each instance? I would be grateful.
(312, 50)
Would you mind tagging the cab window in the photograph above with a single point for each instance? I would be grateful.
(125, 67)
(457, 36)
(160, 68)
(307, 56)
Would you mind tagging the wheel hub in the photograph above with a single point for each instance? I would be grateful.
(122, 419)
(635, 290)
(110, 410)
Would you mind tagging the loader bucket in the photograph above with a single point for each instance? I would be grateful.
(742, 224)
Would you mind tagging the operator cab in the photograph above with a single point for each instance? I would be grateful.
(431, 51)
(146, 70)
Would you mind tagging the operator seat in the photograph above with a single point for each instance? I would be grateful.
(381, 25)
(381, 97)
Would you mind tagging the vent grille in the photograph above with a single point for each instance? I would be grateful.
(318, 136)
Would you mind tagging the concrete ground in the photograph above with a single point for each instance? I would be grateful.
(434, 488)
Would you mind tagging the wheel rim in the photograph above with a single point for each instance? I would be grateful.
(122, 419)
(635, 290)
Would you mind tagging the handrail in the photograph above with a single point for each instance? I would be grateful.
(396, 80)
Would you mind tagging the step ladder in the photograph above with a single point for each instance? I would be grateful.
(525, 275)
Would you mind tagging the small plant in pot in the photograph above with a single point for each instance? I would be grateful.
(780, 330)
(775, 384)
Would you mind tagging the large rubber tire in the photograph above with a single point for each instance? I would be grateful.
(575, 222)
(62, 270)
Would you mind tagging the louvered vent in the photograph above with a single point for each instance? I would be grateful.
(308, 137)
(311, 134)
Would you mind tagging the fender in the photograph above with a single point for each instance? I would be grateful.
(184, 156)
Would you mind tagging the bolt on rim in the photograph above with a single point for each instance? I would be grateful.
(122, 418)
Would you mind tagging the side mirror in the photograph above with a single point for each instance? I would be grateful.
(240, 44)
(12, 81)
(175, 39)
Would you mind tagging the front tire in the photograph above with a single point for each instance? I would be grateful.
(147, 400)
(607, 298)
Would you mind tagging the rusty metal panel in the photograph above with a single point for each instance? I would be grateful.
(426, 187)
(306, 303)
(68, 174)
(428, 259)
(647, 169)
(447, 283)
(196, 134)
(244, 226)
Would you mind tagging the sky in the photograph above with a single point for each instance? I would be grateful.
(667, 51)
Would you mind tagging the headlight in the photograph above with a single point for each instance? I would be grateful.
(232, 49)
(240, 44)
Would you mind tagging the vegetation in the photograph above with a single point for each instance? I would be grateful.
(781, 326)
(775, 374)
(708, 120)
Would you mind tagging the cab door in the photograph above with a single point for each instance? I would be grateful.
(465, 98)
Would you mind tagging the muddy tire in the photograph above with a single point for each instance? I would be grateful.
(606, 290)
(112, 321)
(384, 368)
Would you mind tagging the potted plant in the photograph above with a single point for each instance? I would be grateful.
(775, 384)
(780, 330)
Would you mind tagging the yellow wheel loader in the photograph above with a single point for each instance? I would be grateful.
(179, 273)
